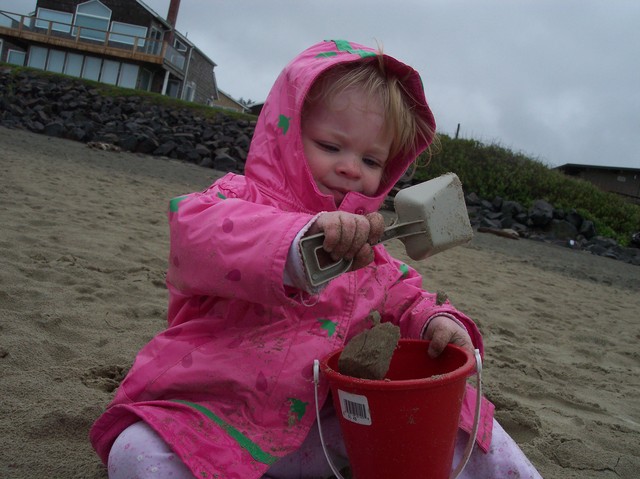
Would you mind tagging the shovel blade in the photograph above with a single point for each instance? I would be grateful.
(440, 204)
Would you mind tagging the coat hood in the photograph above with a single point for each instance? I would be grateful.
(276, 163)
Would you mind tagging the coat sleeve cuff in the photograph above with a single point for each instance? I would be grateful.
(295, 273)
(450, 316)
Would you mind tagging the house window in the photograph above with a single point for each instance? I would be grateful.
(73, 66)
(144, 82)
(173, 88)
(178, 45)
(16, 57)
(59, 21)
(91, 68)
(109, 72)
(128, 75)
(93, 18)
(189, 91)
(128, 34)
(37, 57)
(55, 62)
(155, 44)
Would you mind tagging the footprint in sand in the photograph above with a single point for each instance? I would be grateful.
(104, 378)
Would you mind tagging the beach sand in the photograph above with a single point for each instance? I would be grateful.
(84, 241)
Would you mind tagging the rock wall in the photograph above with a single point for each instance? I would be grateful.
(70, 108)
(543, 222)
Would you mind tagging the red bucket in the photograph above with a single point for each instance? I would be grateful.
(404, 425)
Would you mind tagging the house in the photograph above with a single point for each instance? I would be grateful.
(119, 42)
(622, 181)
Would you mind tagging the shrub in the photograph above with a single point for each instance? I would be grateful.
(491, 170)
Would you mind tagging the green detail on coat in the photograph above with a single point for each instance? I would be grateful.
(404, 269)
(247, 444)
(326, 54)
(329, 326)
(345, 46)
(298, 408)
(283, 123)
(221, 196)
(364, 53)
(173, 203)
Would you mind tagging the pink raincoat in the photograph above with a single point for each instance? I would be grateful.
(228, 385)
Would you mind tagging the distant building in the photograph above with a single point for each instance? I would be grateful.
(227, 102)
(622, 181)
(256, 108)
(119, 42)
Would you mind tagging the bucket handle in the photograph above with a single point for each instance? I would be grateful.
(472, 437)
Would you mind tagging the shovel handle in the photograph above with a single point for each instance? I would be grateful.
(402, 230)
(321, 268)
(318, 264)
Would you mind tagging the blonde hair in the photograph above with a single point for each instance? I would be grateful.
(408, 129)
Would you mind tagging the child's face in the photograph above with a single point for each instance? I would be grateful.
(346, 144)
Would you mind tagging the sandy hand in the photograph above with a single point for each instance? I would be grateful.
(442, 331)
(349, 236)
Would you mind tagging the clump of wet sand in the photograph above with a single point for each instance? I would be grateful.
(368, 354)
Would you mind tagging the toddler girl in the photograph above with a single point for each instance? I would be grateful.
(226, 391)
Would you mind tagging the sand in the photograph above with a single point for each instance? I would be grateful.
(84, 241)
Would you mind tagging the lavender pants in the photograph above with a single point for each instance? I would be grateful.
(139, 453)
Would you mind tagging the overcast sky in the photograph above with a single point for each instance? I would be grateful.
(558, 80)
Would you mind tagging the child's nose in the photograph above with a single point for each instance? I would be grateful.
(349, 166)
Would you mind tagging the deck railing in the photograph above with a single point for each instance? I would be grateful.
(55, 32)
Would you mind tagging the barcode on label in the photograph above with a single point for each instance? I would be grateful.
(355, 407)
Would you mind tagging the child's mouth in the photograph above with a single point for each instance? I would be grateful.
(337, 193)
(338, 196)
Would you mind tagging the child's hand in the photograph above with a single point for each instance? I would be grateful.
(442, 331)
(349, 236)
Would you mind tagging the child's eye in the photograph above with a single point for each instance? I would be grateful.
(327, 146)
(371, 162)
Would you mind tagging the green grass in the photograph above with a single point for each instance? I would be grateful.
(491, 170)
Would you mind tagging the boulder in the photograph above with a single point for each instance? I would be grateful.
(541, 213)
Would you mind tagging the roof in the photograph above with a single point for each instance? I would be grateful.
(575, 166)
(183, 38)
(154, 13)
(229, 97)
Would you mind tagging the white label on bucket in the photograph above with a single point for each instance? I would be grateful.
(355, 408)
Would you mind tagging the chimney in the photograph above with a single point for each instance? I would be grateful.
(172, 15)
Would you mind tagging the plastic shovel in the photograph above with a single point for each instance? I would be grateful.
(432, 217)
